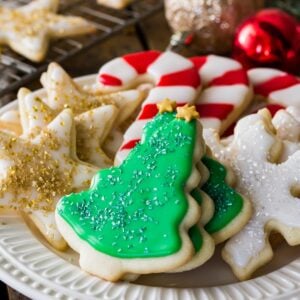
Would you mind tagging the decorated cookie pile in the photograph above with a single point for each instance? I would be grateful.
(138, 178)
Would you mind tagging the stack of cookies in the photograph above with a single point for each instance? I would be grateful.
(158, 160)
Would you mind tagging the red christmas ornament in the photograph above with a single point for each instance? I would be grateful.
(270, 38)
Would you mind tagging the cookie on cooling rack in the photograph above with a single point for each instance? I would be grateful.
(29, 28)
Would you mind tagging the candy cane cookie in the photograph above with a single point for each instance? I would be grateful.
(174, 76)
(279, 89)
(226, 94)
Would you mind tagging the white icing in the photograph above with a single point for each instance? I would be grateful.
(261, 75)
(236, 94)
(216, 66)
(120, 156)
(180, 94)
(266, 184)
(232, 94)
(135, 131)
(120, 69)
(167, 63)
(11, 116)
(287, 97)
(287, 124)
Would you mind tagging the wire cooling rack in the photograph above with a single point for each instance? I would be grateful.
(16, 71)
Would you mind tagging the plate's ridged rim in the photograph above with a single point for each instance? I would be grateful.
(31, 268)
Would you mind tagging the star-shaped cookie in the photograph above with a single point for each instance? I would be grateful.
(28, 29)
(36, 171)
(62, 91)
(92, 127)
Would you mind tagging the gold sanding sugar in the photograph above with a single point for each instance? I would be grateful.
(30, 24)
(83, 102)
(35, 178)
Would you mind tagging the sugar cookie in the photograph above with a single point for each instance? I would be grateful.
(227, 92)
(287, 125)
(232, 210)
(273, 189)
(28, 29)
(92, 127)
(63, 91)
(129, 235)
(118, 4)
(276, 88)
(174, 76)
(37, 171)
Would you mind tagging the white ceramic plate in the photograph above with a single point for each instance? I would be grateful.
(31, 266)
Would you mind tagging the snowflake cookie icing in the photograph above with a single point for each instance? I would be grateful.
(272, 187)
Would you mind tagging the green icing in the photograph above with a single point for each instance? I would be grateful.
(135, 210)
(194, 233)
(196, 237)
(197, 196)
(228, 203)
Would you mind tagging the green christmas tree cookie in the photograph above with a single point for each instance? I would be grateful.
(135, 218)
(232, 210)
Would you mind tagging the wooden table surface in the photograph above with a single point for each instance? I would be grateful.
(116, 46)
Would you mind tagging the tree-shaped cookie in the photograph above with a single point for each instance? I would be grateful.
(232, 210)
(272, 187)
(135, 218)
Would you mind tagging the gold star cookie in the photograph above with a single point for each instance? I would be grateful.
(28, 29)
(92, 127)
(36, 171)
(187, 113)
(63, 91)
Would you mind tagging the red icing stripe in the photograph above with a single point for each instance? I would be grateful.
(198, 61)
(216, 110)
(149, 111)
(230, 78)
(187, 77)
(140, 61)
(131, 144)
(109, 80)
(274, 108)
(275, 84)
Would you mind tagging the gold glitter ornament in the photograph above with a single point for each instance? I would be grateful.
(212, 22)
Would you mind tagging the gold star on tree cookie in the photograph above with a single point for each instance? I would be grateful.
(187, 113)
(166, 106)
(37, 171)
(28, 29)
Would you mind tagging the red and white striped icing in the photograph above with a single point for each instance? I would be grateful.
(226, 91)
(280, 89)
(173, 75)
